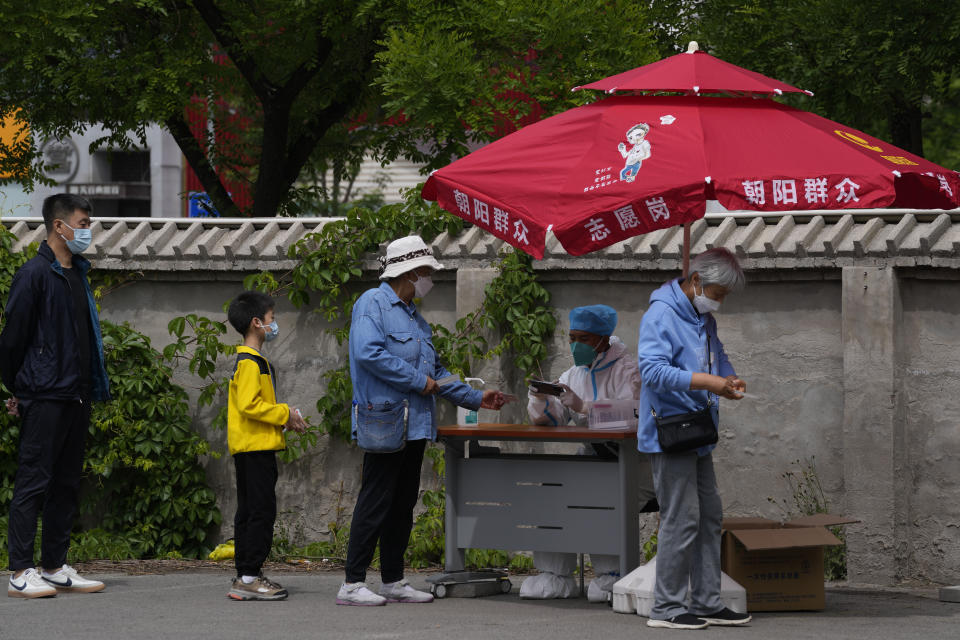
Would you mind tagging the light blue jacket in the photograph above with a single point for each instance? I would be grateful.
(391, 355)
(672, 347)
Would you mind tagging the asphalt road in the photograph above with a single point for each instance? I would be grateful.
(194, 605)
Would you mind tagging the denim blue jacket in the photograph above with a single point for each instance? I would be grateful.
(391, 355)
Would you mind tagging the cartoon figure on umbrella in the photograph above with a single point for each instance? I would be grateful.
(639, 152)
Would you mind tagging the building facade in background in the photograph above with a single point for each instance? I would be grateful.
(139, 183)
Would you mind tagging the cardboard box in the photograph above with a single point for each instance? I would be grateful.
(779, 564)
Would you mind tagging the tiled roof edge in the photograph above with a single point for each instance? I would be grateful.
(808, 240)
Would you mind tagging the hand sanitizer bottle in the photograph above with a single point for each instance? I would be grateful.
(469, 417)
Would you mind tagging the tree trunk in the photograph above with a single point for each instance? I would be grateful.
(200, 163)
(271, 187)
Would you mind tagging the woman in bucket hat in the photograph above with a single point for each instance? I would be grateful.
(394, 370)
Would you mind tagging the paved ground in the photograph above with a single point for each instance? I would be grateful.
(194, 605)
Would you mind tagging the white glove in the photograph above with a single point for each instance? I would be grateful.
(571, 400)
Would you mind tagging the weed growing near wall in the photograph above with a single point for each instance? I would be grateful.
(808, 498)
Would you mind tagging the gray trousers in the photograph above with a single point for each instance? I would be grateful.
(688, 544)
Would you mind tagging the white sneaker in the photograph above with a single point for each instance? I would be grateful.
(403, 592)
(29, 585)
(601, 588)
(66, 578)
(357, 594)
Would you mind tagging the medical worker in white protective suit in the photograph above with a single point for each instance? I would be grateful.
(604, 369)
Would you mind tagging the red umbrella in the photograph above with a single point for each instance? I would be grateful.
(627, 165)
(693, 72)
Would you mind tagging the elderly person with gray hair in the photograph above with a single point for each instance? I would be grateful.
(684, 370)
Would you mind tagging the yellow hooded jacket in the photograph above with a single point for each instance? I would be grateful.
(254, 417)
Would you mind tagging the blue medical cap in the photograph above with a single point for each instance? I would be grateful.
(595, 318)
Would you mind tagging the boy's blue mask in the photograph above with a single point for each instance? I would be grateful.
(271, 331)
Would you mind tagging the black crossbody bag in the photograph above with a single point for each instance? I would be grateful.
(688, 431)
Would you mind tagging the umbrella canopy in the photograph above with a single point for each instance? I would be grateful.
(627, 165)
(693, 72)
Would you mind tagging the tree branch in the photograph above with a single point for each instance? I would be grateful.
(301, 148)
(226, 38)
(301, 76)
(193, 152)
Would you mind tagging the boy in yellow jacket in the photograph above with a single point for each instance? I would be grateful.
(255, 426)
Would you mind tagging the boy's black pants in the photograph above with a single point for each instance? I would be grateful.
(52, 440)
(384, 511)
(256, 509)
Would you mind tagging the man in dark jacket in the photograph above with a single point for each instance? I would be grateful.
(51, 360)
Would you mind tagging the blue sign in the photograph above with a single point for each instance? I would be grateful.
(201, 206)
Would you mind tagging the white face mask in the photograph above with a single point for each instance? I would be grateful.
(422, 286)
(703, 304)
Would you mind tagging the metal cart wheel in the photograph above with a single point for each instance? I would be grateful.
(440, 591)
(505, 586)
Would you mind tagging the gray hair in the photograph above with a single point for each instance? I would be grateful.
(719, 266)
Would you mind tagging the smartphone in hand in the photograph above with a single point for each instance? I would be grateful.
(542, 386)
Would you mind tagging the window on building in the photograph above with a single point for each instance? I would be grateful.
(129, 166)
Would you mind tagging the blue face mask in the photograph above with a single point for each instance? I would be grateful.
(270, 331)
(81, 239)
(583, 354)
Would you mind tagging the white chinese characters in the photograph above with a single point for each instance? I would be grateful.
(481, 215)
(481, 211)
(627, 217)
(463, 201)
(848, 190)
(658, 209)
(598, 230)
(785, 191)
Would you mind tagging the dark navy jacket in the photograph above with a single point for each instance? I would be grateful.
(38, 347)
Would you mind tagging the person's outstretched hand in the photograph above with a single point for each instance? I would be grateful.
(493, 399)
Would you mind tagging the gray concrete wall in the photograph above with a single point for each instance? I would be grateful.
(820, 353)
(846, 335)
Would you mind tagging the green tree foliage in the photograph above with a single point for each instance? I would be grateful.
(460, 72)
(288, 84)
(143, 455)
(881, 66)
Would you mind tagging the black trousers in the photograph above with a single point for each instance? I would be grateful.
(384, 512)
(52, 439)
(256, 509)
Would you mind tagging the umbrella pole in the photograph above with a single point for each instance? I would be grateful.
(686, 249)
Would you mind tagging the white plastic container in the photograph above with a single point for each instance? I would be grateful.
(612, 414)
(633, 593)
(469, 417)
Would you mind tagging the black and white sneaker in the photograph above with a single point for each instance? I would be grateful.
(727, 618)
(66, 578)
(29, 584)
(682, 621)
